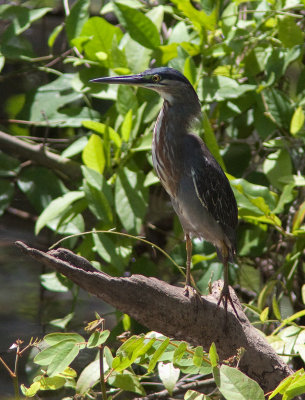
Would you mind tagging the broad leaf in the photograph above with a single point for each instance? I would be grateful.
(139, 26)
(234, 385)
(131, 199)
(56, 208)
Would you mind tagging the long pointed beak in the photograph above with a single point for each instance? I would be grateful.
(136, 80)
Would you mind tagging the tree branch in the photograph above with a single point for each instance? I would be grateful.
(164, 308)
(40, 155)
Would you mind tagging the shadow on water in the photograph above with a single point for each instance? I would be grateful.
(26, 307)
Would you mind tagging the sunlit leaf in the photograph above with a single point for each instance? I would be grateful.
(297, 121)
(57, 207)
(97, 338)
(131, 199)
(157, 354)
(6, 194)
(139, 26)
(93, 154)
(79, 14)
(169, 375)
(235, 384)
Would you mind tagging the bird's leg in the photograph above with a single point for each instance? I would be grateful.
(188, 264)
(225, 293)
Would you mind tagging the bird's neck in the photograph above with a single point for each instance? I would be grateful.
(171, 127)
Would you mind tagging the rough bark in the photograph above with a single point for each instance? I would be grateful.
(165, 308)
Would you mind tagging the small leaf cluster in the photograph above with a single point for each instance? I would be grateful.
(149, 352)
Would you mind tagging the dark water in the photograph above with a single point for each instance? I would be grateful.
(26, 308)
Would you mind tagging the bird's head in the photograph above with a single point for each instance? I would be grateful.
(168, 82)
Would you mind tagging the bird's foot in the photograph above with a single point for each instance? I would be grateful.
(189, 291)
(226, 297)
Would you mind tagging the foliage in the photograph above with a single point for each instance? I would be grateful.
(246, 61)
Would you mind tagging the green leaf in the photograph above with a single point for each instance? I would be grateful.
(179, 352)
(213, 355)
(54, 282)
(264, 293)
(9, 166)
(249, 276)
(128, 353)
(276, 308)
(53, 36)
(198, 356)
(6, 194)
(99, 195)
(229, 18)
(93, 154)
(57, 337)
(75, 148)
(290, 33)
(283, 387)
(278, 106)
(56, 208)
(234, 385)
(126, 100)
(31, 181)
(286, 197)
(62, 323)
(97, 338)
(66, 352)
(193, 395)
(117, 256)
(138, 25)
(264, 314)
(32, 390)
(2, 61)
(45, 105)
(103, 130)
(75, 21)
(99, 36)
(198, 18)
(131, 199)
(89, 376)
(275, 164)
(52, 383)
(21, 17)
(157, 354)
(61, 354)
(169, 375)
(298, 217)
(210, 140)
(219, 88)
(126, 126)
(255, 202)
(297, 121)
(127, 381)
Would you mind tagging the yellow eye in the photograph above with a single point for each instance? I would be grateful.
(156, 78)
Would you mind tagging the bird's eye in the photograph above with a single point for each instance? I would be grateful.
(156, 78)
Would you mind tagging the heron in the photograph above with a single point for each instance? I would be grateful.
(199, 190)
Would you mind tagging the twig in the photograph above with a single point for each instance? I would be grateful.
(180, 388)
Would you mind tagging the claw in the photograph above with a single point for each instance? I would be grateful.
(191, 292)
(226, 296)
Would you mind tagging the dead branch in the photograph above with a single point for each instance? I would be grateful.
(164, 308)
(40, 155)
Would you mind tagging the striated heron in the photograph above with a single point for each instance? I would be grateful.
(199, 190)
